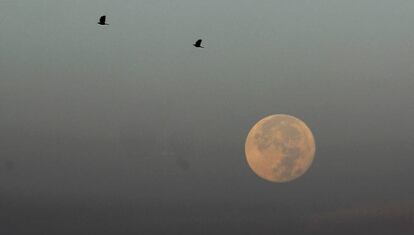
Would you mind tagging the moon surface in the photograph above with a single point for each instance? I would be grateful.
(280, 148)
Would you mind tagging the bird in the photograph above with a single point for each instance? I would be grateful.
(102, 20)
(198, 43)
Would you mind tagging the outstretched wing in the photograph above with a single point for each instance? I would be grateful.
(198, 42)
(102, 19)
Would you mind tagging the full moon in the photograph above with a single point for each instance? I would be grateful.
(280, 148)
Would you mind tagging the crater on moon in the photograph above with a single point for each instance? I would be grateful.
(280, 148)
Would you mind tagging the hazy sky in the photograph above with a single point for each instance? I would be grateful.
(102, 127)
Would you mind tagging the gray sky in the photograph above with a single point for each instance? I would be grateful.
(130, 117)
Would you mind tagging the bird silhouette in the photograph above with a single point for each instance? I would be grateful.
(102, 20)
(198, 43)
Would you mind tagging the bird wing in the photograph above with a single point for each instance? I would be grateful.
(102, 19)
(198, 42)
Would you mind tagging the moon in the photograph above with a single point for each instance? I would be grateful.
(280, 148)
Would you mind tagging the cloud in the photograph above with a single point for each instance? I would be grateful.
(397, 218)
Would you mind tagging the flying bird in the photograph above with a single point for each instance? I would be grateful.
(102, 20)
(198, 43)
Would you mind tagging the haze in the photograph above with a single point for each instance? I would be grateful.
(129, 129)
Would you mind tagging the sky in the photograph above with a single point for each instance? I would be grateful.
(129, 129)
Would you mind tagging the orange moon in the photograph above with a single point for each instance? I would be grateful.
(280, 148)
